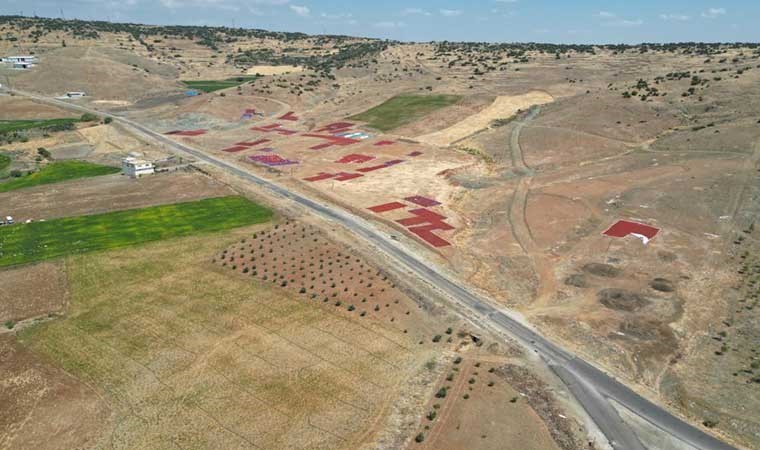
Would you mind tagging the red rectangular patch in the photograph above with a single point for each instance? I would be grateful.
(427, 235)
(623, 228)
(235, 149)
(355, 158)
(320, 177)
(387, 207)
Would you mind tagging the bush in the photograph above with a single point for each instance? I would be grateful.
(87, 117)
(107, 120)
(442, 392)
(419, 438)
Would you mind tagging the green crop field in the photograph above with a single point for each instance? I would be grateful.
(56, 172)
(25, 243)
(216, 85)
(8, 126)
(404, 109)
(5, 161)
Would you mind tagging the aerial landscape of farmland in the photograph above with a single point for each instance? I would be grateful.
(229, 237)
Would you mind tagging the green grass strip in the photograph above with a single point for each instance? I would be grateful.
(404, 109)
(37, 241)
(216, 85)
(8, 126)
(57, 172)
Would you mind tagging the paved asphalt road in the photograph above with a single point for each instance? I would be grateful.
(591, 386)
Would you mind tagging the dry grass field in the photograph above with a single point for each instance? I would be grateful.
(195, 357)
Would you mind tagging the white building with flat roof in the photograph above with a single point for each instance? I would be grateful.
(20, 62)
(20, 59)
(135, 168)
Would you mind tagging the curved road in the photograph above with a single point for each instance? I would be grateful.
(591, 386)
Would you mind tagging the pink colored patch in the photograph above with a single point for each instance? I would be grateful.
(382, 143)
(290, 115)
(414, 153)
(422, 201)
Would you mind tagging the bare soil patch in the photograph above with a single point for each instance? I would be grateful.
(32, 291)
(43, 406)
(503, 107)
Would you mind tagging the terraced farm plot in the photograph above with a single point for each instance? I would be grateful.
(403, 109)
(191, 355)
(37, 241)
(57, 172)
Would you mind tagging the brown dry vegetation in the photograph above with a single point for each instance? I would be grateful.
(218, 359)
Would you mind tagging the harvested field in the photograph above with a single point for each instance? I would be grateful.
(108, 193)
(24, 243)
(44, 407)
(221, 360)
(32, 291)
(502, 108)
(16, 108)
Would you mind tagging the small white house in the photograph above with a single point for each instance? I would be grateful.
(135, 168)
(20, 59)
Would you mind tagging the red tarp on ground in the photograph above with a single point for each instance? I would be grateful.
(275, 128)
(320, 177)
(187, 133)
(331, 140)
(345, 176)
(422, 201)
(355, 158)
(336, 127)
(252, 144)
(387, 207)
(381, 166)
(271, 160)
(427, 235)
(290, 115)
(381, 143)
(238, 148)
(414, 153)
(425, 216)
(623, 228)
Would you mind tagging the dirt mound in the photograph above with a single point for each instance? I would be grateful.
(602, 270)
(621, 299)
(662, 285)
(577, 280)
